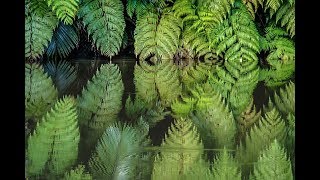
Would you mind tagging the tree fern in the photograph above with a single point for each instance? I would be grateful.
(286, 17)
(272, 5)
(105, 23)
(285, 100)
(273, 164)
(77, 174)
(270, 127)
(247, 118)
(117, 153)
(225, 167)
(62, 73)
(215, 121)
(65, 10)
(180, 149)
(160, 81)
(55, 140)
(64, 40)
(238, 38)
(40, 23)
(135, 7)
(156, 35)
(99, 103)
(40, 93)
(281, 57)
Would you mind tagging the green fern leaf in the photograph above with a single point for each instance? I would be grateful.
(63, 75)
(100, 103)
(180, 149)
(157, 35)
(273, 5)
(214, 119)
(64, 40)
(286, 17)
(65, 10)
(225, 167)
(105, 24)
(117, 153)
(144, 80)
(55, 140)
(247, 119)
(40, 23)
(285, 101)
(268, 128)
(167, 82)
(40, 93)
(273, 164)
(77, 174)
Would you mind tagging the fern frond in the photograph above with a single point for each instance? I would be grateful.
(105, 23)
(100, 102)
(247, 118)
(167, 82)
(144, 80)
(117, 153)
(196, 74)
(225, 167)
(214, 119)
(180, 149)
(40, 23)
(65, 10)
(268, 128)
(77, 174)
(40, 93)
(137, 109)
(281, 58)
(62, 73)
(183, 8)
(285, 101)
(64, 40)
(55, 140)
(272, 5)
(286, 15)
(155, 35)
(273, 164)
(253, 5)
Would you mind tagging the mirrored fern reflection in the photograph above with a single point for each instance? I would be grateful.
(160, 89)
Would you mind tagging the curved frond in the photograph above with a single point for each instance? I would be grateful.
(180, 149)
(105, 24)
(117, 152)
(55, 140)
(62, 73)
(100, 102)
(64, 40)
(40, 23)
(225, 167)
(273, 164)
(268, 128)
(156, 35)
(40, 93)
(286, 17)
(285, 100)
(65, 10)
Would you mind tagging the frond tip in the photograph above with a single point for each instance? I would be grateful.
(273, 164)
(65, 10)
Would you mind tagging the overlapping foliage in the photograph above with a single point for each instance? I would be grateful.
(100, 102)
(180, 149)
(54, 143)
(40, 23)
(273, 164)
(105, 24)
(157, 82)
(117, 153)
(40, 92)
